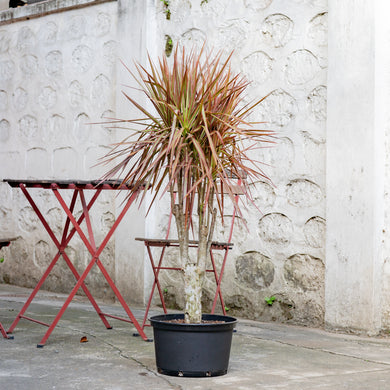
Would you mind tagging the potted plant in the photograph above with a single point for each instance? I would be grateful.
(196, 145)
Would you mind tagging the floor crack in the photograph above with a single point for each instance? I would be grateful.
(317, 349)
(173, 385)
(124, 355)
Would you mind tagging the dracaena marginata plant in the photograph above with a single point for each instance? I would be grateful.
(194, 142)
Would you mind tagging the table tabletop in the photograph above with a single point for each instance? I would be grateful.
(114, 184)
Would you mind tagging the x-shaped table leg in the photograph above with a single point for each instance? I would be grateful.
(66, 237)
(95, 252)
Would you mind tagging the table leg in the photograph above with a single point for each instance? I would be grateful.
(66, 304)
(122, 302)
(4, 333)
(90, 244)
(33, 294)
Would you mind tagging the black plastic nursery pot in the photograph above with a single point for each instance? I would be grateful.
(192, 350)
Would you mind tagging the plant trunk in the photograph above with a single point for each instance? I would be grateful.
(194, 270)
(193, 280)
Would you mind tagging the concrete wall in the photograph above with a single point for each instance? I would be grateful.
(71, 59)
(383, 152)
(281, 46)
(57, 75)
(357, 276)
(60, 71)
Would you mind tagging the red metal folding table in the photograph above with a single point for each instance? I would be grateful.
(88, 239)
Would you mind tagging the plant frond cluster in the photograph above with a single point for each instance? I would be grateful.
(196, 139)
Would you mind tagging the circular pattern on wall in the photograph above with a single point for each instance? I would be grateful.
(28, 126)
(279, 108)
(277, 30)
(3, 100)
(232, 34)
(7, 70)
(54, 127)
(314, 231)
(26, 39)
(42, 254)
(82, 58)
(53, 63)
(102, 24)
(318, 30)
(29, 64)
(76, 94)
(257, 67)
(4, 130)
(302, 66)
(76, 27)
(275, 228)
(101, 91)
(5, 40)
(20, 99)
(193, 38)
(27, 219)
(263, 194)
(110, 53)
(47, 98)
(317, 102)
(48, 33)
(304, 272)
(303, 193)
(81, 128)
(255, 270)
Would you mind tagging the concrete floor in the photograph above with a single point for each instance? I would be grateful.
(263, 355)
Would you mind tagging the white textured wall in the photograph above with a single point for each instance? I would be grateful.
(281, 46)
(351, 164)
(383, 96)
(357, 277)
(49, 91)
(57, 74)
(60, 71)
(133, 34)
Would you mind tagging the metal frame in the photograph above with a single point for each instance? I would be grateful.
(78, 188)
(164, 243)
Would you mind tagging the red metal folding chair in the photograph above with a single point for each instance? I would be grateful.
(166, 242)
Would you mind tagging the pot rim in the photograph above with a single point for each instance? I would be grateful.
(161, 321)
